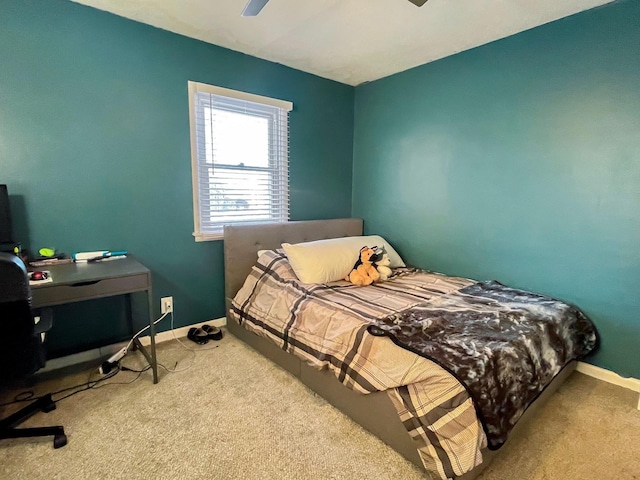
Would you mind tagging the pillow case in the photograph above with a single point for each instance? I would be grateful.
(282, 268)
(324, 261)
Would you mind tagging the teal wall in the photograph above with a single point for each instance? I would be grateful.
(519, 161)
(94, 145)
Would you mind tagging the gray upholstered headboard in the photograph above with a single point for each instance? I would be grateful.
(242, 242)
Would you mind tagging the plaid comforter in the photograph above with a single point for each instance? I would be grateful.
(326, 325)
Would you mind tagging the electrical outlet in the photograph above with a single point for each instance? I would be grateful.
(166, 305)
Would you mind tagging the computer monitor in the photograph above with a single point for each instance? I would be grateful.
(6, 230)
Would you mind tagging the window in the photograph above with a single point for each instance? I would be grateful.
(239, 158)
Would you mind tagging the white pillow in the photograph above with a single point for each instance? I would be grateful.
(329, 260)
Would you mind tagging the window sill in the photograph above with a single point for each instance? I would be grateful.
(207, 237)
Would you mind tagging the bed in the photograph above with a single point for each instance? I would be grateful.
(374, 411)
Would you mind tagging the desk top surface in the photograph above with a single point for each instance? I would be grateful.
(71, 273)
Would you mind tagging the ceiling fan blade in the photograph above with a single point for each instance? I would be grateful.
(253, 7)
(418, 3)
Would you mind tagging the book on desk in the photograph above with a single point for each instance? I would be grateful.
(98, 256)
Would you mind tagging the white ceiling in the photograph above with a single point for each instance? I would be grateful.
(351, 41)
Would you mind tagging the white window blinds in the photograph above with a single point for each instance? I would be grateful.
(240, 155)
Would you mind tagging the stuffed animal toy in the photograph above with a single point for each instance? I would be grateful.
(382, 266)
(364, 273)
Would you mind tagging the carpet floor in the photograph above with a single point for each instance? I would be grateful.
(228, 413)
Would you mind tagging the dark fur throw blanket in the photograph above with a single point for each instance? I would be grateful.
(504, 345)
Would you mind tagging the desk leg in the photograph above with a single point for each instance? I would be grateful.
(151, 358)
(152, 335)
(129, 314)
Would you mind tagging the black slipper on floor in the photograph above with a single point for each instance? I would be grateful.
(198, 335)
(213, 333)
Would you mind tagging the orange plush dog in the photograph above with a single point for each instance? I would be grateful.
(364, 273)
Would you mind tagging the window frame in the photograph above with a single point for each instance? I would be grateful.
(194, 88)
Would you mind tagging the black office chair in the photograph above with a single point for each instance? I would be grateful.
(22, 347)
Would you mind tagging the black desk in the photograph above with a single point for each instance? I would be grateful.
(74, 282)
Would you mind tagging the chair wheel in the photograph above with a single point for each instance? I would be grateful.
(59, 441)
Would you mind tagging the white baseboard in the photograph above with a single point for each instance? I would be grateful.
(108, 350)
(92, 355)
(182, 331)
(610, 377)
